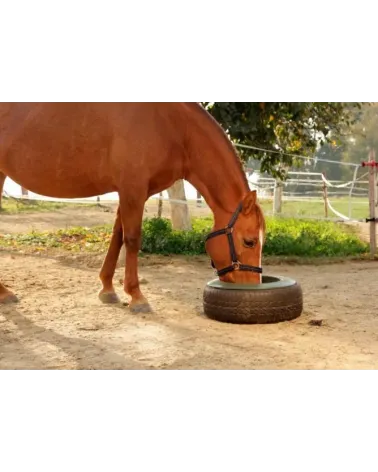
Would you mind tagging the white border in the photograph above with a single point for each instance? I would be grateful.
(156, 51)
(193, 51)
(188, 421)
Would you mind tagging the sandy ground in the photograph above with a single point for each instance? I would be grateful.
(60, 324)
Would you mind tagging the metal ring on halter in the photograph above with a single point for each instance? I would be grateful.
(236, 265)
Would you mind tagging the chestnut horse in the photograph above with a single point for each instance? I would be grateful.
(79, 150)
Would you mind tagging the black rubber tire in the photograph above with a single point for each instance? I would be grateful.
(276, 299)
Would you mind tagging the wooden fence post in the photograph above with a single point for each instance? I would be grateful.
(199, 199)
(325, 197)
(277, 199)
(372, 202)
(160, 205)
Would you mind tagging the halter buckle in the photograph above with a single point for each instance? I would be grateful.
(229, 230)
(236, 265)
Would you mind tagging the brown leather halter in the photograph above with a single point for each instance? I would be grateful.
(235, 264)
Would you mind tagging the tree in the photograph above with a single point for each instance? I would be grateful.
(364, 135)
(288, 129)
(334, 152)
(352, 146)
(180, 215)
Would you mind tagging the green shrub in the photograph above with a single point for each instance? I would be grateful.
(290, 237)
(160, 238)
(285, 237)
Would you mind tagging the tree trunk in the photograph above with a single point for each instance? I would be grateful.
(179, 211)
(199, 199)
(160, 205)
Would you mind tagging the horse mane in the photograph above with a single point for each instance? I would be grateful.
(223, 135)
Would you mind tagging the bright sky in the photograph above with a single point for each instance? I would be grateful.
(14, 189)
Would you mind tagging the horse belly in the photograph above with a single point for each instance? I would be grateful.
(60, 171)
(57, 150)
(62, 182)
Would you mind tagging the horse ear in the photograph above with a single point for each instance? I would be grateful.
(249, 202)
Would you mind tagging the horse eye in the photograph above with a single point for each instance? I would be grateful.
(250, 243)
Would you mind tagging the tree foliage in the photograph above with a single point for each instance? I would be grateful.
(285, 129)
(353, 147)
(364, 135)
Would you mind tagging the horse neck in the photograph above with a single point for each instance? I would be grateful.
(215, 171)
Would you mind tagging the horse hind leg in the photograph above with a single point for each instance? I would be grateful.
(6, 296)
(2, 180)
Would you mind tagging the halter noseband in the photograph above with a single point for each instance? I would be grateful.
(235, 264)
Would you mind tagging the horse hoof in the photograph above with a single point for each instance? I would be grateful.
(109, 297)
(141, 308)
(10, 298)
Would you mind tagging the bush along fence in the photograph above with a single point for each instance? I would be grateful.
(285, 237)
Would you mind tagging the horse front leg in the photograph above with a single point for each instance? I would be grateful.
(108, 294)
(131, 215)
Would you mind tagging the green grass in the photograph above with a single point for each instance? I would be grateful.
(285, 237)
(299, 209)
(359, 207)
(11, 206)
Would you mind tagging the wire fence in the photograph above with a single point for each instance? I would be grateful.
(307, 193)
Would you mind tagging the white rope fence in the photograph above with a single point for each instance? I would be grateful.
(266, 188)
(300, 186)
(349, 186)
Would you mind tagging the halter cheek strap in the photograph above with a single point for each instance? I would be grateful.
(235, 264)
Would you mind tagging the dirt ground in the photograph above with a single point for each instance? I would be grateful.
(86, 216)
(60, 323)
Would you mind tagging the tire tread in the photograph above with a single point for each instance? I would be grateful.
(253, 307)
